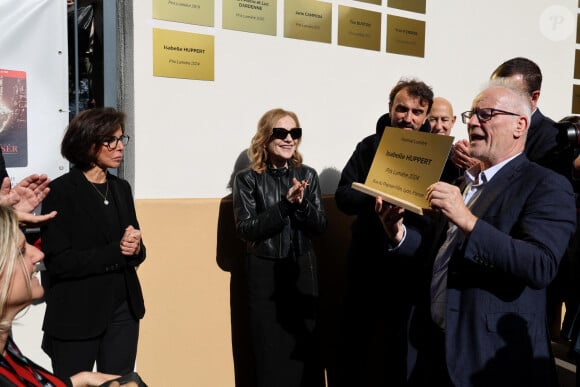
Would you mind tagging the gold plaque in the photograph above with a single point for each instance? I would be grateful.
(377, 2)
(576, 99)
(405, 36)
(359, 28)
(307, 20)
(418, 6)
(179, 54)
(257, 16)
(578, 28)
(577, 65)
(406, 163)
(199, 12)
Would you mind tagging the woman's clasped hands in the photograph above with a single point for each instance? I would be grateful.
(131, 241)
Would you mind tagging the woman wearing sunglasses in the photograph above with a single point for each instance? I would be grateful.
(93, 247)
(278, 209)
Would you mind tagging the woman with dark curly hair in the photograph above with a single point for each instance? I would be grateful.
(93, 247)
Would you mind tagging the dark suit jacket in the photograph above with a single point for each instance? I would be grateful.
(82, 256)
(542, 146)
(497, 278)
(541, 137)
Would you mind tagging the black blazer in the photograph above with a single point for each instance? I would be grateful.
(543, 146)
(82, 257)
(541, 138)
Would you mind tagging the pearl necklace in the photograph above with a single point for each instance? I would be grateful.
(105, 201)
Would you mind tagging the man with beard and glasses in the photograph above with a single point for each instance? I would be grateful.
(375, 309)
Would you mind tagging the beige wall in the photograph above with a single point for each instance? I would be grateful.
(186, 329)
(186, 332)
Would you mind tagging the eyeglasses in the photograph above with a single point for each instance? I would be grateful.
(281, 133)
(112, 142)
(484, 114)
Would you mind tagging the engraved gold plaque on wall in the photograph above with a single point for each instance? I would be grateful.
(405, 36)
(578, 28)
(418, 6)
(308, 20)
(377, 2)
(258, 16)
(179, 54)
(576, 99)
(359, 28)
(577, 65)
(199, 12)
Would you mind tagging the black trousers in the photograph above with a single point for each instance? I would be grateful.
(282, 300)
(114, 351)
(372, 342)
(431, 366)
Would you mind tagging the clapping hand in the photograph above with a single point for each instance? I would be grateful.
(296, 192)
(460, 155)
(25, 197)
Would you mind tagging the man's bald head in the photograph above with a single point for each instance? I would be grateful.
(441, 116)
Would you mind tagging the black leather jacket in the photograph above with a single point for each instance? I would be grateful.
(271, 226)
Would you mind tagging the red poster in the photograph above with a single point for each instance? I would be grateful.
(13, 108)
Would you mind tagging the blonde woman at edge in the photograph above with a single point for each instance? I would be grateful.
(19, 287)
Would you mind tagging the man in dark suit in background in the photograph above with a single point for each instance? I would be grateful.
(483, 322)
(541, 143)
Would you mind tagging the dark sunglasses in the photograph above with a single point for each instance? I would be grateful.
(281, 133)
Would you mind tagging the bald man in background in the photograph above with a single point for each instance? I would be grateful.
(441, 119)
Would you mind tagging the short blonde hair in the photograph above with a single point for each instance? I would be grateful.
(10, 257)
(258, 152)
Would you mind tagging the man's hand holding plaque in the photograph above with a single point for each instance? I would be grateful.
(391, 217)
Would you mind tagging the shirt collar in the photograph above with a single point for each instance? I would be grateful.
(476, 176)
(278, 171)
